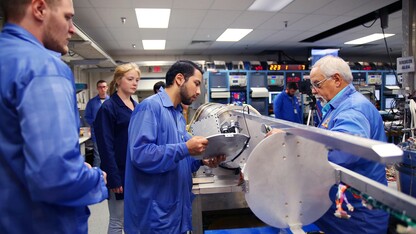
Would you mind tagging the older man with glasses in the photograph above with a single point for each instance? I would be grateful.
(350, 112)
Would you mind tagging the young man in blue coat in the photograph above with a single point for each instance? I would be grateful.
(159, 166)
(349, 112)
(45, 184)
(286, 105)
(91, 111)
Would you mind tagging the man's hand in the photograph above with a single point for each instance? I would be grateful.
(197, 145)
(104, 174)
(213, 161)
(117, 190)
(105, 177)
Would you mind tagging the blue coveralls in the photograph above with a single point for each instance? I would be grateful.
(91, 111)
(158, 187)
(45, 185)
(350, 112)
(287, 108)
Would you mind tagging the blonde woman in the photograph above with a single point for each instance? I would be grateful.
(111, 125)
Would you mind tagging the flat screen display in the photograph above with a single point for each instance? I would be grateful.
(377, 94)
(238, 97)
(218, 80)
(272, 96)
(317, 53)
(390, 80)
(258, 80)
(259, 105)
(388, 103)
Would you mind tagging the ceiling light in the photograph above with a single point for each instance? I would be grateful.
(133, 45)
(233, 34)
(367, 39)
(123, 20)
(152, 18)
(154, 44)
(269, 5)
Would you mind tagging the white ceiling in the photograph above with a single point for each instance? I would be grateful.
(205, 20)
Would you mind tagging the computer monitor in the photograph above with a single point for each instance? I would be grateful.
(389, 103)
(259, 105)
(258, 80)
(317, 53)
(390, 80)
(377, 94)
(238, 97)
(218, 80)
(272, 96)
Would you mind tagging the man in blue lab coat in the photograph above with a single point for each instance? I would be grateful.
(158, 187)
(45, 184)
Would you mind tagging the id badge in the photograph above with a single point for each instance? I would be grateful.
(296, 111)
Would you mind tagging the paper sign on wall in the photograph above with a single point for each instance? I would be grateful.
(405, 64)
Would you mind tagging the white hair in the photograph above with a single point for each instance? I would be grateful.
(329, 65)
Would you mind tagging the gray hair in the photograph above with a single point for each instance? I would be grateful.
(329, 65)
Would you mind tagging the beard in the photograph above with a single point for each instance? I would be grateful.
(185, 99)
(52, 43)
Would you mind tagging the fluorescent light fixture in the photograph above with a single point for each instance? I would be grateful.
(152, 18)
(154, 44)
(367, 39)
(269, 5)
(233, 34)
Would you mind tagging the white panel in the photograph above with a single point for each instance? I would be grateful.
(112, 17)
(192, 4)
(208, 34)
(126, 34)
(278, 20)
(81, 3)
(231, 4)
(176, 44)
(305, 6)
(283, 35)
(339, 7)
(180, 34)
(219, 19)
(98, 33)
(310, 21)
(181, 18)
(153, 33)
(257, 35)
(111, 3)
(87, 17)
(251, 19)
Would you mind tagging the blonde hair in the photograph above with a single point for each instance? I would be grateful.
(119, 73)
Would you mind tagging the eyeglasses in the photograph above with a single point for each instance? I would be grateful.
(318, 85)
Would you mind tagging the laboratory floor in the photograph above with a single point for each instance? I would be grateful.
(98, 221)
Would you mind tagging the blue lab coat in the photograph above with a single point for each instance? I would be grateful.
(287, 108)
(350, 112)
(158, 187)
(45, 185)
(91, 110)
(111, 125)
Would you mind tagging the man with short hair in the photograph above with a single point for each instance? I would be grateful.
(157, 85)
(286, 104)
(45, 184)
(159, 166)
(91, 110)
(348, 111)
